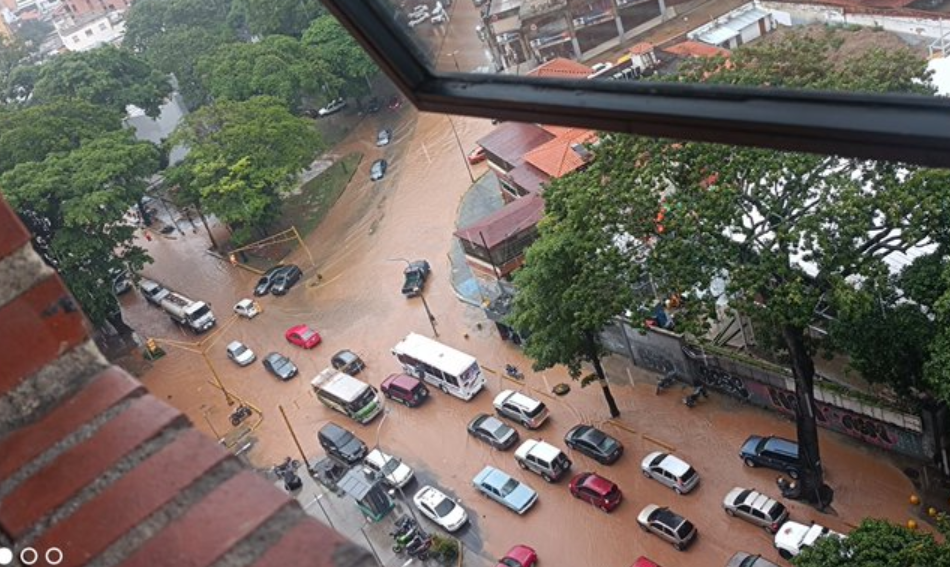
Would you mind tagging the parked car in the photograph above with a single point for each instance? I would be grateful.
(644, 562)
(153, 292)
(519, 556)
(671, 471)
(772, 452)
(414, 277)
(742, 559)
(280, 366)
(521, 408)
(267, 280)
(383, 137)
(332, 107)
(121, 281)
(668, 525)
(285, 279)
(492, 431)
(405, 389)
(378, 170)
(341, 443)
(510, 493)
(395, 473)
(247, 308)
(302, 336)
(543, 459)
(756, 508)
(348, 362)
(439, 508)
(793, 537)
(596, 490)
(240, 354)
(477, 155)
(598, 67)
(594, 443)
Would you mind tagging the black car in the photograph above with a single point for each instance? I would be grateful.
(280, 366)
(493, 431)
(285, 279)
(348, 362)
(342, 444)
(267, 280)
(594, 443)
(378, 170)
(772, 452)
(415, 276)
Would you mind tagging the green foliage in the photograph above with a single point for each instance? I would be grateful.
(74, 203)
(937, 371)
(444, 549)
(346, 59)
(876, 543)
(278, 66)
(243, 155)
(34, 132)
(275, 17)
(12, 53)
(106, 76)
(34, 32)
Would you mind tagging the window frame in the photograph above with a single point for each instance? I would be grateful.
(914, 129)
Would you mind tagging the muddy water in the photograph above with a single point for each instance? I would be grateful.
(352, 298)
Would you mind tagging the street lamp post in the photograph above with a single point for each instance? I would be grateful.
(458, 141)
(425, 304)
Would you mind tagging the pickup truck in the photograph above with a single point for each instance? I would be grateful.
(415, 274)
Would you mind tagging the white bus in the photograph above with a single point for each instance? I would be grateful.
(452, 371)
(347, 395)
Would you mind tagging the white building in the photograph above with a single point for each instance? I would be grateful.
(738, 27)
(92, 31)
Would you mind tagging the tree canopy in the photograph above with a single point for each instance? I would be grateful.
(275, 17)
(876, 543)
(74, 203)
(345, 58)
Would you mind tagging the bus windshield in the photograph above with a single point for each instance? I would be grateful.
(365, 399)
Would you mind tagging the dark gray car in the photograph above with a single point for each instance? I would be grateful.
(280, 366)
(491, 430)
(285, 279)
(341, 443)
(347, 362)
(266, 281)
(743, 559)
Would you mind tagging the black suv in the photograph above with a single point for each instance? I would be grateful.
(772, 452)
(267, 280)
(342, 444)
(285, 279)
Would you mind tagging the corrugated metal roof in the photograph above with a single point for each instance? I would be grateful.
(512, 140)
(730, 29)
(504, 223)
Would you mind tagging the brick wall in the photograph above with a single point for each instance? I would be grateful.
(93, 465)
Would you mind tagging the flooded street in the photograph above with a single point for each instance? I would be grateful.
(352, 297)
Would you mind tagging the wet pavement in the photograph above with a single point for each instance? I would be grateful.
(352, 297)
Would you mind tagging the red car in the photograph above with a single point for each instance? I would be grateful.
(519, 556)
(477, 155)
(596, 490)
(644, 562)
(302, 336)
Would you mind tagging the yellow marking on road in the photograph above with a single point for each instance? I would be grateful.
(623, 426)
(666, 446)
(489, 370)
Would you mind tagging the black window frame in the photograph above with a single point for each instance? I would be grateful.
(914, 129)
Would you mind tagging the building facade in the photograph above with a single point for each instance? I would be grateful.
(79, 8)
(91, 31)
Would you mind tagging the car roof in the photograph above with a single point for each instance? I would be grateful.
(782, 445)
(538, 448)
(672, 463)
(667, 517)
(346, 354)
(517, 398)
(335, 431)
(520, 552)
(430, 495)
(492, 477)
(644, 562)
(488, 422)
(402, 380)
(274, 356)
(234, 345)
(377, 457)
(244, 303)
(598, 483)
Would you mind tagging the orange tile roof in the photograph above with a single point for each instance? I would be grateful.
(560, 67)
(641, 48)
(557, 157)
(696, 49)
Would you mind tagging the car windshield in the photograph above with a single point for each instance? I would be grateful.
(200, 313)
(607, 444)
(444, 508)
(684, 529)
(509, 562)
(279, 362)
(776, 510)
(537, 410)
(508, 487)
(238, 350)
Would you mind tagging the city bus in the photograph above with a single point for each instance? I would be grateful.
(450, 370)
(348, 395)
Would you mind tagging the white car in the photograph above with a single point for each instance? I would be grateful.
(397, 473)
(792, 537)
(332, 107)
(247, 309)
(440, 508)
(671, 471)
(240, 354)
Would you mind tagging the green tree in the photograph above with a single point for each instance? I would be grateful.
(773, 235)
(876, 543)
(12, 53)
(34, 32)
(243, 156)
(937, 369)
(74, 203)
(106, 76)
(346, 59)
(35, 132)
(571, 286)
(278, 66)
(275, 17)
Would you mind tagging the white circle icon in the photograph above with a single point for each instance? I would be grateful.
(6, 556)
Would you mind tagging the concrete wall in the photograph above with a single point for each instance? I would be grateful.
(803, 14)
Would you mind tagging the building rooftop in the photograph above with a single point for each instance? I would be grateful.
(564, 154)
(512, 140)
(696, 49)
(512, 219)
(561, 68)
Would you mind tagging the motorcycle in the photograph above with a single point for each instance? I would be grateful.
(418, 547)
(693, 398)
(512, 371)
(240, 414)
(666, 381)
(287, 471)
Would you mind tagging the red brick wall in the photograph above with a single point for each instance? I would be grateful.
(95, 467)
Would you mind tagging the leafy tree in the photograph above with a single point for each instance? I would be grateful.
(11, 53)
(33, 133)
(74, 203)
(243, 156)
(571, 286)
(876, 543)
(34, 32)
(347, 60)
(107, 76)
(278, 66)
(773, 235)
(937, 370)
(275, 17)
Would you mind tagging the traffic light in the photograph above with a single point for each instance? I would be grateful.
(152, 350)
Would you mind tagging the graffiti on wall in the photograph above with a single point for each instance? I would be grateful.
(652, 360)
(721, 380)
